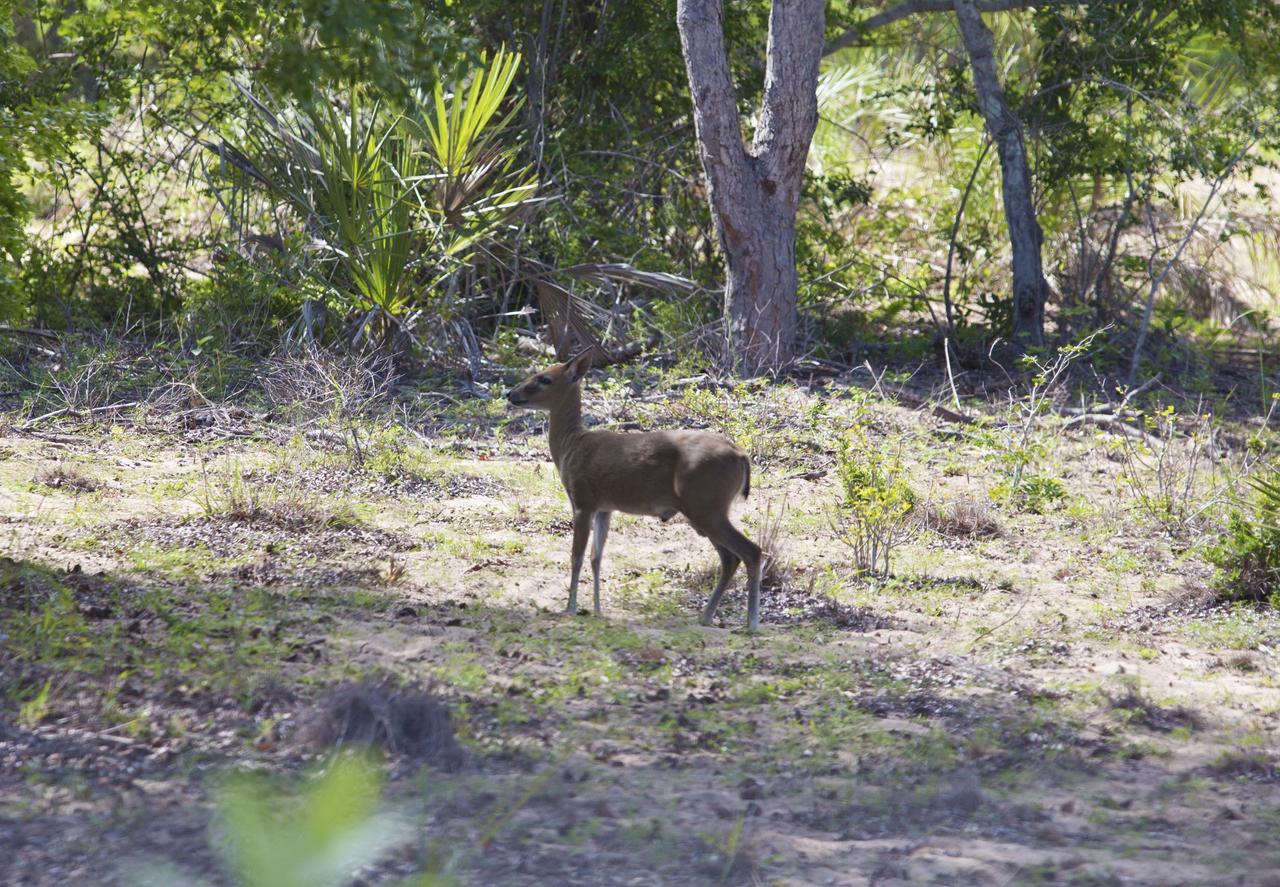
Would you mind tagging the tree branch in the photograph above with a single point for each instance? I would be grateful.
(916, 7)
(715, 105)
(789, 107)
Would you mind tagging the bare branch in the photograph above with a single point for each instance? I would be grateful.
(715, 102)
(789, 107)
(916, 7)
(1158, 279)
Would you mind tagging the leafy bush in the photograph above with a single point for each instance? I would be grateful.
(1248, 556)
(874, 514)
(1018, 446)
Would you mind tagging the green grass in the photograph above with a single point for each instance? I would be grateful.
(1243, 627)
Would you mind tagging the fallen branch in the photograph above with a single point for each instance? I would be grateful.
(27, 331)
(1112, 423)
(67, 411)
(1117, 409)
(1134, 392)
(952, 416)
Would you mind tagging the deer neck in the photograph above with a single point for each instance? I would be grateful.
(565, 425)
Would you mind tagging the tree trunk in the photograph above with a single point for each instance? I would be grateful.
(760, 298)
(1025, 236)
(754, 192)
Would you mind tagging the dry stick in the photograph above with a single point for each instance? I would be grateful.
(1110, 421)
(1111, 408)
(1159, 279)
(955, 231)
(1134, 392)
(27, 426)
(946, 351)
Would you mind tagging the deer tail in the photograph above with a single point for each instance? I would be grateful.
(746, 476)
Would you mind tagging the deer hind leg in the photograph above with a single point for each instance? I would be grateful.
(581, 529)
(723, 534)
(728, 566)
(600, 532)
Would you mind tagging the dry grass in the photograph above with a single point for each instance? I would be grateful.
(964, 518)
(404, 722)
(65, 476)
(1247, 763)
(1136, 707)
(231, 497)
(778, 572)
(317, 383)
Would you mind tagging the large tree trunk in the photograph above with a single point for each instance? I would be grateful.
(1025, 236)
(754, 192)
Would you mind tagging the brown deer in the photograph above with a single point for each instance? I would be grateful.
(660, 473)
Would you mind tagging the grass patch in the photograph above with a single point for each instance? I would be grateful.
(963, 518)
(65, 476)
(1134, 706)
(233, 497)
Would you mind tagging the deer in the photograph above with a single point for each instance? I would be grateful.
(697, 474)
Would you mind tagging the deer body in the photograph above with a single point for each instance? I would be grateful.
(661, 474)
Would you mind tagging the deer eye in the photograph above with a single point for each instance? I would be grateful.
(544, 380)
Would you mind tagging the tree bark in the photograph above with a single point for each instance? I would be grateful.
(755, 191)
(1025, 236)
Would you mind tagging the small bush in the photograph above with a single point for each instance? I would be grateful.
(319, 383)
(1172, 480)
(1035, 493)
(1136, 707)
(874, 514)
(1248, 556)
(405, 722)
(65, 476)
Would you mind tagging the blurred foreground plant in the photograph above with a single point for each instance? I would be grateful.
(321, 836)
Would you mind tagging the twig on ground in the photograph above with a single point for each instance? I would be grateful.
(68, 411)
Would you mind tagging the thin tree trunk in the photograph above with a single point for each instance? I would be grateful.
(755, 192)
(1025, 236)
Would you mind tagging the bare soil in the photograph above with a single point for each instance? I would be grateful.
(1048, 701)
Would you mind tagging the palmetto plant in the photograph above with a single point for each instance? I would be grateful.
(390, 202)
(477, 181)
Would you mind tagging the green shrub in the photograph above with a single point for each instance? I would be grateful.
(238, 301)
(875, 513)
(1036, 493)
(1248, 556)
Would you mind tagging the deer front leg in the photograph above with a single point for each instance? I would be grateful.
(581, 529)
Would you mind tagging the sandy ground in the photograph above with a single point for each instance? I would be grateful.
(1049, 705)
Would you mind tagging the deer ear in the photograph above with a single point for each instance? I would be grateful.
(579, 365)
